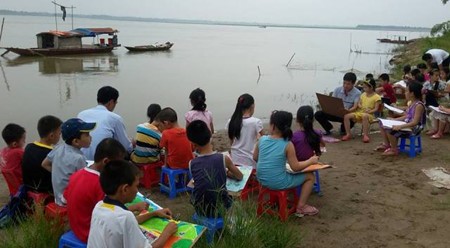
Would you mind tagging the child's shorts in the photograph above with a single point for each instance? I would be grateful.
(359, 117)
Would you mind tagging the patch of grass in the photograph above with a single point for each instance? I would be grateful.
(242, 228)
(444, 205)
(33, 231)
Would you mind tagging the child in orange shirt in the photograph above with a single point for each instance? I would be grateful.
(174, 140)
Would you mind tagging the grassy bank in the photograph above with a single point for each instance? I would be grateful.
(242, 229)
(412, 53)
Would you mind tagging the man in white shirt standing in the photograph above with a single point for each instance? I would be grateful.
(109, 124)
(437, 58)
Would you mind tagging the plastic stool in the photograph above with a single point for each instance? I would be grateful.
(52, 210)
(173, 187)
(412, 148)
(251, 186)
(277, 198)
(69, 240)
(150, 174)
(212, 224)
(38, 197)
(316, 187)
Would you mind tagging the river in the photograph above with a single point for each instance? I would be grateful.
(222, 60)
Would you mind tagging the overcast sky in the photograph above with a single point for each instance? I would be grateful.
(424, 13)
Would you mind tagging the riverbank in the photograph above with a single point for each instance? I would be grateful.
(368, 200)
(412, 53)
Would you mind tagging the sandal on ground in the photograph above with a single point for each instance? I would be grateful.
(431, 132)
(346, 137)
(366, 139)
(436, 136)
(390, 152)
(306, 210)
(382, 147)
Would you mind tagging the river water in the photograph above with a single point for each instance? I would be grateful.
(222, 60)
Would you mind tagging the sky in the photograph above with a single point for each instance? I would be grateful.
(419, 13)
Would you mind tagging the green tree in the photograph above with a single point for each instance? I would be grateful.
(444, 1)
(441, 28)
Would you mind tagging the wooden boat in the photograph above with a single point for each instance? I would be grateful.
(400, 40)
(57, 43)
(157, 47)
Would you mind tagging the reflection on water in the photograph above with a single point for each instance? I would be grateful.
(4, 77)
(66, 70)
(68, 65)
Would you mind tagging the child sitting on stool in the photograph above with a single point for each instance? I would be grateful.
(209, 171)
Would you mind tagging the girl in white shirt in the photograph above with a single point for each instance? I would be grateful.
(243, 131)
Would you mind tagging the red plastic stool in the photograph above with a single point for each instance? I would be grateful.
(53, 211)
(277, 198)
(151, 175)
(251, 186)
(38, 198)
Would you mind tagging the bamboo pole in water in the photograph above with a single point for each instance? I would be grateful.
(1, 30)
(290, 60)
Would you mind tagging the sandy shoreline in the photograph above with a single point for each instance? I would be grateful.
(368, 200)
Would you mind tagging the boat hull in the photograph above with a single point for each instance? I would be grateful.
(58, 52)
(148, 48)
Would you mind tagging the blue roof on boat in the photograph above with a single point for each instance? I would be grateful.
(92, 32)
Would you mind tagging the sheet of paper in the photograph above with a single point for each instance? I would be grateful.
(438, 110)
(236, 186)
(186, 235)
(394, 109)
(310, 168)
(389, 123)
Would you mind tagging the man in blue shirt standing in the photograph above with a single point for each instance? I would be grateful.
(109, 124)
(349, 95)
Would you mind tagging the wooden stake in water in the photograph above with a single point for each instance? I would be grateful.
(259, 75)
(1, 30)
(290, 60)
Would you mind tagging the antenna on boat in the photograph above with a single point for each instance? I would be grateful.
(63, 9)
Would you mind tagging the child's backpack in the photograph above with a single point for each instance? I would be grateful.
(15, 209)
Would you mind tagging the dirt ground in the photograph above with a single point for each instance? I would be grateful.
(368, 200)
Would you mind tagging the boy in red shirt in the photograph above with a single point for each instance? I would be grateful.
(84, 190)
(386, 89)
(11, 156)
(174, 140)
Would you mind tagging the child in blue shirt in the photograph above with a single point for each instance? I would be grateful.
(273, 151)
(67, 158)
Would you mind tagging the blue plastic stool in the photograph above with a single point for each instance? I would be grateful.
(212, 224)
(316, 186)
(174, 187)
(69, 240)
(412, 148)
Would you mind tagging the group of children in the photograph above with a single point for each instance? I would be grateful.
(422, 89)
(95, 195)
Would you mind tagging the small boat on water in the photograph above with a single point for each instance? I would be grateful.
(157, 47)
(398, 40)
(56, 43)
